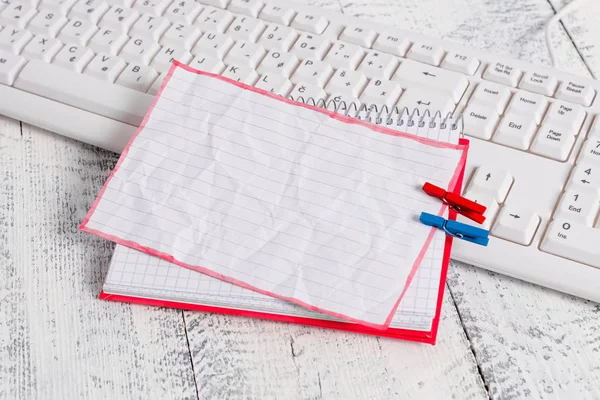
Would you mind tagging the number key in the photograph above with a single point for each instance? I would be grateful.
(278, 37)
(311, 46)
(183, 11)
(590, 153)
(246, 28)
(577, 206)
(585, 177)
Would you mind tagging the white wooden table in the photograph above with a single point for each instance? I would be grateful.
(499, 338)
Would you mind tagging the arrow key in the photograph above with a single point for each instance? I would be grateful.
(516, 224)
(585, 178)
(496, 182)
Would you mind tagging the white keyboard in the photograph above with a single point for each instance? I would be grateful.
(88, 69)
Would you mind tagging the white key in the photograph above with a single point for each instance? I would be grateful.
(278, 14)
(275, 83)
(216, 3)
(573, 241)
(105, 67)
(181, 34)
(278, 62)
(213, 44)
(313, 72)
(344, 55)
(311, 46)
(247, 7)
(150, 26)
(495, 182)
(391, 42)
(461, 63)
(91, 10)
(139, 50)
(576, 92)
(515, 130)
(77, 31)
(359, 35)
(17, 14)
(553, 141)
(427, 53)
(568, 115)
(350, 83)
(381, 93)
(491, 94)
(480, 120)
(184, 11)
(13, 39)
(246, 28)
(595, 129)
(488, 201)
(242, 74)
(538, 83)
(578, 206)
(167, 54)
(47, 23)
(343, 102)
(151, 7)
(245, 53)
(502, 73)
(585, 177)
(378, 65)
(10, 65)
(304, 92)
(74, 57)
(415, 74)
(311, 22)
(42, 48)
(590, 152)
(528, 104)
(120, 18)
(517, 224)
(157, 84)
(108, 41)
(278, 37)
(208, 64)
(62, 7)
(426, 100)
(137, 77)
(214, 20)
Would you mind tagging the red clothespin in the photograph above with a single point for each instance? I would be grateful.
(463, 206)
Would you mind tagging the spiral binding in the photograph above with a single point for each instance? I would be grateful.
(378, 115)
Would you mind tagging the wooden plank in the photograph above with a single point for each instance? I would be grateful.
(57, 340)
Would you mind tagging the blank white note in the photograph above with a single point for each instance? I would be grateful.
(276, 197)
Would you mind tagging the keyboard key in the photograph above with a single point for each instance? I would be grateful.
(517, 224)
(246, 28)
(278, 63)
(13, 39)
(502, 73)
(576, 92)
(105, 67)
(488, 201)
(350, 83)
(313, 23)
(166, 55)
(528, 104)
(61, 7)
(480, 120)
(151, 7)
(181, 34)
(585, 177)
(426, 100)
(343, 102)
(139, 50)
(495, 182)
(311, 46)
(312, 72)
(213, 44)
(378, 65)
(137, 77)
(553, 141)
(461, 63)
(157, 84)
(391, 42)
(10, 65)
(427, 53)
(275, 83)
(120, 3)
(47, 23)
(381, 93)
(216, 3)
(344, 55)
(278, 14)
(515, 130)
(108, 41)
(358, 35)
(241, 74)
(208, 64)
(245, 54)
(42, 48)
(491, 94)
(538, 83)
(184, 11)
(303, 92)
(17, 14)
(247, 7)
(91, 10)
(568, 115)
(412, 73)
(590, 152)
(74, 57)
(77, 31)
(578, 206)
(278, 37)
(150, 26)
(119, 18)
(214, 20)
(573, 241)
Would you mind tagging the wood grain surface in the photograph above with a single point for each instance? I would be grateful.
(499, 338)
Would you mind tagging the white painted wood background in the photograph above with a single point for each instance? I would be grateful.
(499, 338)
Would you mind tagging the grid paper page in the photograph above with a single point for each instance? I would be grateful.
(276, 197)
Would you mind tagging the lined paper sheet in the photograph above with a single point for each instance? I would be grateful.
(276, 197)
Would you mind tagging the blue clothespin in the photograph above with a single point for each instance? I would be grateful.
(457, 229)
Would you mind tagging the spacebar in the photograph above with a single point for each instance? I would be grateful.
(84, 92)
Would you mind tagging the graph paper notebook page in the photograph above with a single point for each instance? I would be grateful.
(286, 199)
